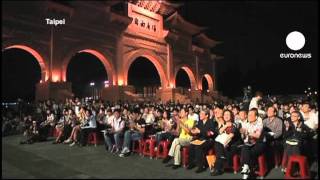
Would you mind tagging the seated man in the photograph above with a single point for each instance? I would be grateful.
(32, 134)
(205, 130)
(296, 135)
(113, 134)
(273, 126)
(254, 143)
(135, 132)
(184, 138)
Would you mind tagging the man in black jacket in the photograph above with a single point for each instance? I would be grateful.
(204, 131)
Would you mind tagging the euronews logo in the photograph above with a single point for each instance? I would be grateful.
(295, 41)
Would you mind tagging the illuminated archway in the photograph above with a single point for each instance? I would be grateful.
(106, 63)
(209, 80)
(37, 56)
(151, 57)
(190, 74)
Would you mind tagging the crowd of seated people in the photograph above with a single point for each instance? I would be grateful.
(226, 129)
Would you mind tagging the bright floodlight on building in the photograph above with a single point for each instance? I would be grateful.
(189, 89)
(208, 90)
(92, 84)
(305, 92)
(309, 88)
(315, 92)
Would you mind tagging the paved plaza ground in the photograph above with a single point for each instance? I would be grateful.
(46, 160)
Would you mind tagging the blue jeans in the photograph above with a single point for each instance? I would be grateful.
(130, 136)
(111, 139)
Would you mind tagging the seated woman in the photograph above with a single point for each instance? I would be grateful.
(205, 130)
(166, 124)
(296, 135)
(88, 127)
(227, 150)
(80, 121)
(254, 143)
(47, 125)
(63, 127)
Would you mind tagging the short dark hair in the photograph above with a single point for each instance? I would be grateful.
(255, 110)
(237, 107)
(220, 106)
(136, 110)
(306, 102)
(274, 109)
(243, 110)
(175, 109)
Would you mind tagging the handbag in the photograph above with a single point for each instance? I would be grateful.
(223, 138)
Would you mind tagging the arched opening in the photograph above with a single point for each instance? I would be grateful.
(205, 85)
(143, 75)
(87, 74)
(21, 71)
(185, 80)
(182, 79)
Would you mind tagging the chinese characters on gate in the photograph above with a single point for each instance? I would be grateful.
(144, 24)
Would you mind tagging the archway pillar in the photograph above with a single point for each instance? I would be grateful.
(53, 90)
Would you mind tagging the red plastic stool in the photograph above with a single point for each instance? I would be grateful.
(148, 149)
(92, 138)
(284, 160)
(303, 166)
(163, 149)
(138, 148)
(236, 163)
(55, 132)
(262, 166)
(185, 156)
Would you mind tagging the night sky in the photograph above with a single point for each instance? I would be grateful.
(253, 36)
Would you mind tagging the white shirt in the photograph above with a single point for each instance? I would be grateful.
(253, 103)
(252, 128)
(108, 119)
(195, 117)
(76, 110)
(117, 124)
(150, 118)
(312, 121)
